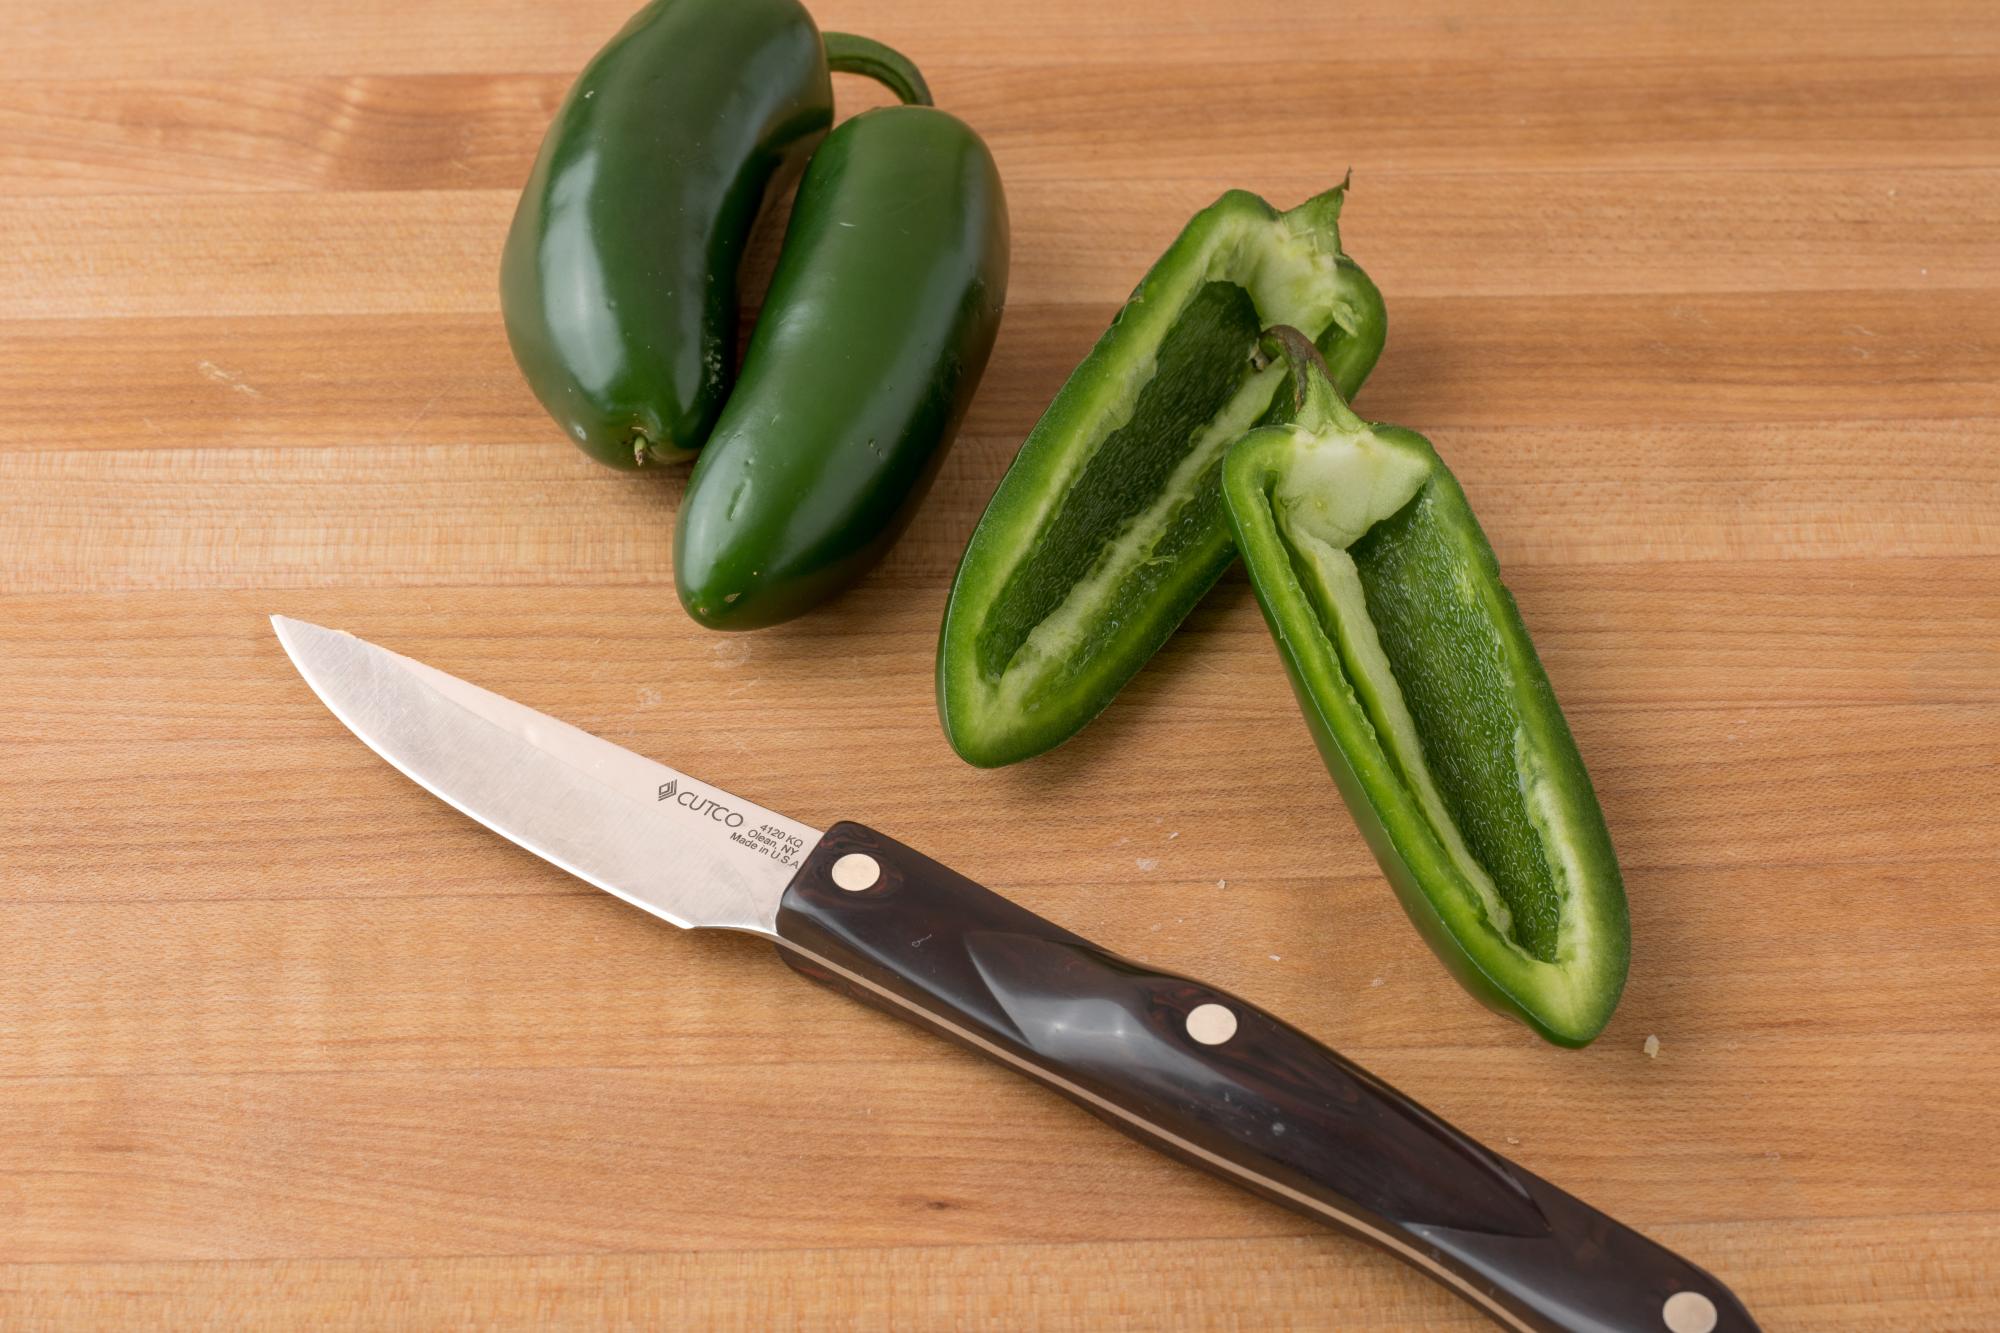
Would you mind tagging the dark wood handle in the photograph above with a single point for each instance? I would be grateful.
(1223, 1085)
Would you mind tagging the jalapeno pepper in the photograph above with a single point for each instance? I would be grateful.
(877, 325)
(1108, 527)
(618, 280)
(1424, 694)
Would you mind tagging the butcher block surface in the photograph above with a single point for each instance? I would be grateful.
(1702, 304)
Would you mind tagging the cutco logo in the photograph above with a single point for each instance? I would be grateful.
(701, 805)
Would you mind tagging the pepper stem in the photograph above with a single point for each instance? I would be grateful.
(849, 54)
(1315, 402)
(647, 451)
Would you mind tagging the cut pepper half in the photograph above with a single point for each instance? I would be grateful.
(1429, 705)
(1108, 527)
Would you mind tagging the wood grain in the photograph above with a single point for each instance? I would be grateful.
(1699, 301)
(1468, 233)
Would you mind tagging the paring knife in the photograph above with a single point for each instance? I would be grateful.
(1191, 1070)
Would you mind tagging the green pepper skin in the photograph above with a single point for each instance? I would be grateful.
(1567, 1000)
(991, 718)
(878, 323)
(618, 279)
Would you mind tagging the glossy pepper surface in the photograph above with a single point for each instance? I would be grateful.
(878, 322)
(1433, 714)
(1108, 527)
(618, 282)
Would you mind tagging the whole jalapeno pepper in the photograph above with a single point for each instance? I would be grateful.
(618, 282)
(878, 323)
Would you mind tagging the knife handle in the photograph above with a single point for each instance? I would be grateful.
(1222, 1085)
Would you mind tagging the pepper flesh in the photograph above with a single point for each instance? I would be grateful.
(618, 279)
(1427, 701)
(877, 326)
(1108, 526)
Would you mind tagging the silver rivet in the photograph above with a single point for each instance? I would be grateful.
(856, 871)
(1211, 1024)
(1688, 1312)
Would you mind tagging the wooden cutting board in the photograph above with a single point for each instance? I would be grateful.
(1701, 301)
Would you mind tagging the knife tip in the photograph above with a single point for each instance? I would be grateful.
(292, 632)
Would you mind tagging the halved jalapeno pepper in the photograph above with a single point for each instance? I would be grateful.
(1429, 705)
(1108, 527)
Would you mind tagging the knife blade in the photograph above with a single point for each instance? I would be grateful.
(1186, 1068)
